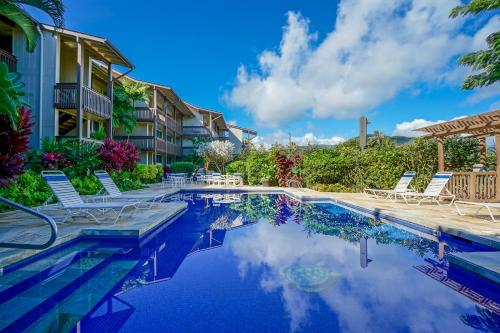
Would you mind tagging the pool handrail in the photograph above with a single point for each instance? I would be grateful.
(50, 221)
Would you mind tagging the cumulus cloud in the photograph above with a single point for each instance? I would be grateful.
(407, 128)
(307, 139)
(377, 49)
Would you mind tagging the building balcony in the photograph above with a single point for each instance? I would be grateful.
(174, 125)
(196, 131)
(144, 114)
(174, 149)
(9, 59)
(66, 97)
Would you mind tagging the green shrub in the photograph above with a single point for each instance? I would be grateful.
(148, 173)
(182, 167)
(126, 181)
(332, 188)
(29, 190)
(260, 167)
(88, 185)
(237, 167)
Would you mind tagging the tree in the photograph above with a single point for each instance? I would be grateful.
(485, 62)
(124, 99)
(216, 153)
(12, 9)
(10, 94)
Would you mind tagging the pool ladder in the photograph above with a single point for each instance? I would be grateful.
(50, 221)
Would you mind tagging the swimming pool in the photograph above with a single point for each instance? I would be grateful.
(253, 263)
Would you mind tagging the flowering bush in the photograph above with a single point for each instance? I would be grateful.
(118, 155)
(14, 144)
(54, 161)
(216, 153)
(286, 167)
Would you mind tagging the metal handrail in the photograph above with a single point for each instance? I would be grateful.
(50, 221)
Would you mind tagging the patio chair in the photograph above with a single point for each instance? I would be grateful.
(401, 186)
(73, 203)
(433, 191)
(481, 205)
(115, 193)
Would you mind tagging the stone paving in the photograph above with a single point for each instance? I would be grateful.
(20, 227)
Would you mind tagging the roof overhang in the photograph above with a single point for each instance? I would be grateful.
(477, 126)
(217, 116)
(99, 45)
(243, 129)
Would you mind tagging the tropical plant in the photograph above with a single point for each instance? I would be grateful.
(148, 173)
(485, 62)
(15, 142)
(216, 153)
(29, 190)
(118, 155)
(260, 166)
(123, 110)
(182, 167)
(12, 9)
(82, 156)
(11, 91)
(124, 100)
(287, 166)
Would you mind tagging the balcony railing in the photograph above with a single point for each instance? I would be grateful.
(174, 125)
(66, 97)
(146, 142)
(174, 149)
(9, 59)
(196, 130)
(144, 114)
(474, 186)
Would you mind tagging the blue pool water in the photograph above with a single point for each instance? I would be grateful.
(253, 263)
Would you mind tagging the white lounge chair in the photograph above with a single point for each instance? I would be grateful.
(401, 187)
(433, 191)
(481, 205)
(73, 203)
(115, 193)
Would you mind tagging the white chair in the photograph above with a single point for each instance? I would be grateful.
(73, 203)
(401, 187)
(487, 205)
(115, 193)
(433, 191)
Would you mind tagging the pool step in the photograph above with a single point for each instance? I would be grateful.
(17, 281)
(485, 264)
(27, 306)
(68, 313)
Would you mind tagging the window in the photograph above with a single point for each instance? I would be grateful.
(159, 159)
(159, 134)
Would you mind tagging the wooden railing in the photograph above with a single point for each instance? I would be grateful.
(9, 59)
(174, 149)
(66, 97)
(144, 114)
(474, 186)
(174, 125)
(196, 130)
(140, 142)
(96, 103)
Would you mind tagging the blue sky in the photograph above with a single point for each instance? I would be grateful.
(309, 68)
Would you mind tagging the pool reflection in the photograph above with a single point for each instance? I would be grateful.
(271, 263)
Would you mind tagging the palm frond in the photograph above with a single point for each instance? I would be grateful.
(54, 8)
(19, 16)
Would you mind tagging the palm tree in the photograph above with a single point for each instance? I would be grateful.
(13, 10)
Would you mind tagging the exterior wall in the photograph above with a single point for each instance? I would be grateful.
(29, 66)
(236, 138)
(67, 64)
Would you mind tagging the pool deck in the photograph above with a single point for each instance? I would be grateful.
(20, 227)
(17, 226)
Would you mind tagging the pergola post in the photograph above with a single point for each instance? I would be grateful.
(440, 148)
(482, 151)
(497, 179)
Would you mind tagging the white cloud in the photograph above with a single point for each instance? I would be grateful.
(484, 94)
(232, 122)
(377, 49)
(307, 139)
(407, 128)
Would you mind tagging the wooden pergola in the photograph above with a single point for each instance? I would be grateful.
(475, 186)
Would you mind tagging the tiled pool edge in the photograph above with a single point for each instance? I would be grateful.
(26, 256)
